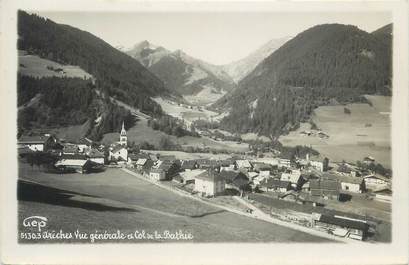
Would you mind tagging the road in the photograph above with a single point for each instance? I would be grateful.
(116, 200)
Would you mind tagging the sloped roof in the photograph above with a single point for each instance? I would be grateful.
(189, 164)
(343, 222)
(141, 161)
(243, 163)
(210, 176)
(94, 153)
(35, 139)
(74, 156)
(117, 148)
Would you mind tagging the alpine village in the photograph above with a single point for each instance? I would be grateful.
(151, 139)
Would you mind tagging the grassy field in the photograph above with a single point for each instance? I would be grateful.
(114, 200)
(366, 131)
(35, 66)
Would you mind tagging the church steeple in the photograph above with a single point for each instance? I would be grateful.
(123, 139)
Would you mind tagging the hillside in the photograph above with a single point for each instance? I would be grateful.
(116, 73)
(326, 64)
(68, 77)
(198, 82)
(240, 68)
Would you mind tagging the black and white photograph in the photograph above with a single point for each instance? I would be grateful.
(205, 126)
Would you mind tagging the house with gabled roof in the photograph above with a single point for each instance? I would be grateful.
(209, 184)
(118, 153)
(37, 142)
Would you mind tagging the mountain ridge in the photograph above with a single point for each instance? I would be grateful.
(321, 64)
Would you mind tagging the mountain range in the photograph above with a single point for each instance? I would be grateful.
(240, 68)
(278, 86)
(197, 81)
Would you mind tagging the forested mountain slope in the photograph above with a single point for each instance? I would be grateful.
(323, 65)
(115, 72)
(57, 100)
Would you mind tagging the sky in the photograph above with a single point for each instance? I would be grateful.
(218, 38)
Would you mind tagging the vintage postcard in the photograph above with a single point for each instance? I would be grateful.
(134, 132)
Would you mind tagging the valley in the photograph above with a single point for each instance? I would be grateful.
(295, 134)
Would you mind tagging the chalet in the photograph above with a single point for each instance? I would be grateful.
(96, 156)
(167, 169)
(341, 226)
(227, 165)
(77, 163)
(84, 144)
(209, 184)
(235, 180)
(143, 164)
(376, 182)
(189, 165)
(190, 175)
(118, 153)
(157, 174)
(294, 177)
(243, 165)
(352, 184)
(37, 143)
(271, 184)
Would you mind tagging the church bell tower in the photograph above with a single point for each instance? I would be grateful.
(123, 139)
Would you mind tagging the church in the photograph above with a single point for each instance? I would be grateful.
(119, 151)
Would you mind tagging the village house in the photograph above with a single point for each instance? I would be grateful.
(118, 153)
(189, 165)
(84, 144)
(235, 180)
(96, 156)
(272, 184)
(227, 165)
(342, 226)
(294, 177)
(209, 184)
(37, 143)
(352, 184)
(375, 182)
(77, 163)
(157, 174)
(190, 175)
(163, 170)
(143, 164)
(243, 165)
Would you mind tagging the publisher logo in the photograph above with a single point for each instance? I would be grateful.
(35, 222)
